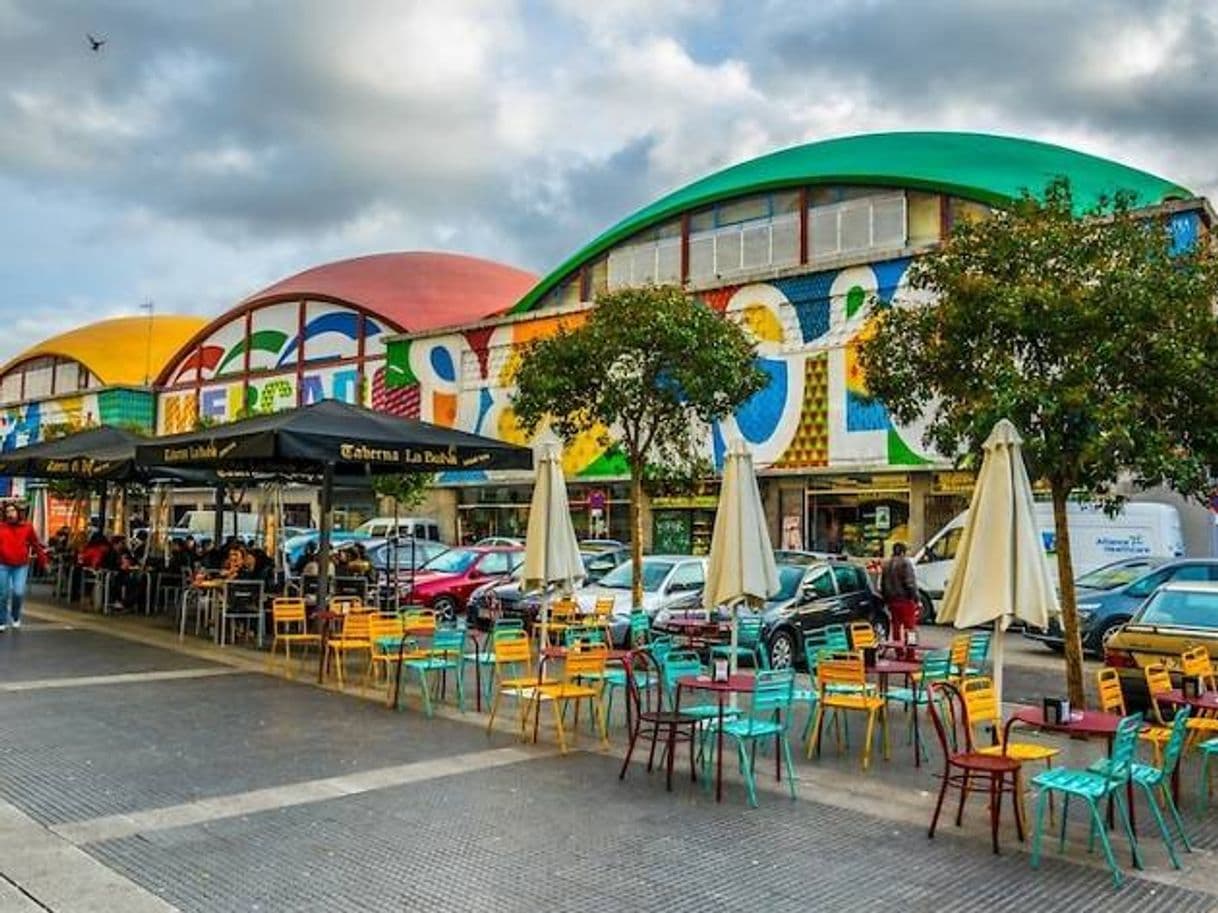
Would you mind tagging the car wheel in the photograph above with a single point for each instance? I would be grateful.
(446, 607)
(782, 650)
(926, 607)
(1099, 641)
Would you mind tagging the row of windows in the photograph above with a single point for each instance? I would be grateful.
(730, 239)
(43, 377)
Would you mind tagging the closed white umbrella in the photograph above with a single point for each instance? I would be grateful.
(1000, 570)
(551, 551)
(741, 567)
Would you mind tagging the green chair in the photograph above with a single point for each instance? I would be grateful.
(748, 643)
(767, 719)
(640, 629)
(1154, 780)
(936, 667)
(446, 654)
(1093, 788)
(1208, 749)
(978, 652)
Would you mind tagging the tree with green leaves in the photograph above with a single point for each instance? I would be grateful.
(407, 489)
(1089, 330)
(650, 367)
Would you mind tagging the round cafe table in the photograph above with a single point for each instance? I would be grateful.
(740, 683)
(882, 668)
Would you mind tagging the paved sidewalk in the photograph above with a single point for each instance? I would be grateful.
(143, 771)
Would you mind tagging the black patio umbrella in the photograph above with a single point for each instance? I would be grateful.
(329, 438)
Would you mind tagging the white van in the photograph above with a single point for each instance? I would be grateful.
(1141, 529)
(382, 528)
(202, 524)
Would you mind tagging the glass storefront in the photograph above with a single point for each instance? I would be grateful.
(682, 526)
(859, 515)
(597, 511)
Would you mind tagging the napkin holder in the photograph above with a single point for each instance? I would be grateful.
(869, 656)
(1057, 711)
(1190, 687)
(719, 671)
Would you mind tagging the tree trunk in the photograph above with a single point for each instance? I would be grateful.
(636, 534)
(1065, 577)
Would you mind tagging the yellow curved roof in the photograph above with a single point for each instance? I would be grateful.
(120, 350)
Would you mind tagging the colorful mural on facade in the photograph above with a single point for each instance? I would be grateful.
(24, 424)
(278, 337)
(814, 413)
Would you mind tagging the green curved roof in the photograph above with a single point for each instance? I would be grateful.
(978, 166)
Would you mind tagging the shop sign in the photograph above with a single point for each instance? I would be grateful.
(699, 502)
(954, 483)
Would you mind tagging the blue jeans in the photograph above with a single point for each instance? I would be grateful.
(12, 583)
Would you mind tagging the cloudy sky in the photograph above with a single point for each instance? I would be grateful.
(211, 148)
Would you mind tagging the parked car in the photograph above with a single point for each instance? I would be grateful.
(603, 545)
(1178, 616)
(599, 560)
(508, 598)
(294, 547)
(1109, 596)
(812, 595)
(499, 542)
(446, 582)
(397, 566)
(383, 528)
(670, 582)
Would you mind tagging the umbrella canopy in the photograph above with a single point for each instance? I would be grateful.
(741, 567)
(104, 453)
(551, 551)
(349, 438)
(1000, 572)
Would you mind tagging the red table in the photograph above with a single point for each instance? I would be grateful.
(902, 650)
(1086, 724)
(1206, 705)
(698, 630)
(907, 667)
(740, 683)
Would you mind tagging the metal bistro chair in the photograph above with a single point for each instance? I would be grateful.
(289, 625)
(647, 718)
(241, 601)
(749, 642)
(350, 586)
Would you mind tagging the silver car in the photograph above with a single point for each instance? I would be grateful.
(669, 582)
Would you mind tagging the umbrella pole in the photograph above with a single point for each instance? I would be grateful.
(996, 655)
(218, 524)
(323, 545)
(733, 660)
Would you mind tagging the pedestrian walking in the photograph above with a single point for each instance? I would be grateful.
(899, 587)
(18, 543)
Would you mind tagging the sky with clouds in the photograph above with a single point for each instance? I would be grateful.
(209, 149)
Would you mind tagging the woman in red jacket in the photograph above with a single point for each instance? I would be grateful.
(18, 542)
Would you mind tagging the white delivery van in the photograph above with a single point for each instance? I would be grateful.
(202, 524)
(383, 528)
(1141, 529)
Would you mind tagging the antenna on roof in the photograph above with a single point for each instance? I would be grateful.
(150, 307)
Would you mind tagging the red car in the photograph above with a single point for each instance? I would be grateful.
(446, 581)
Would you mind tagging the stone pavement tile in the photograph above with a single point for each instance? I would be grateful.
(565, 834)
(36, 654)
(79, 753)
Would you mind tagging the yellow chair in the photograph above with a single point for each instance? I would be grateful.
(841, 681)
(981, 708)
(1112, 700)
(564, 613)
(383, 628)
(602, 617)
(341, 605)
(353, 638)
(290, 625)
(582, 680)
(420, 622)
(1196, 663)
(514, 675)
(862, 636)
(958, 653)
(1158, 682)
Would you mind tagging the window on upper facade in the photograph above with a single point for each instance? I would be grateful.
(10, 387)
(857, 222)
(959, 210)
(650, 257)
(744, 235)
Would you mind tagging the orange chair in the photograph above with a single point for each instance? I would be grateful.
(958, 651)
(514, 675)
(353, 638)
(582, 680)
(1112, 700)
(841, 681)
(602, 617)
(290, 625)
(1158, 682)
(564, 613)
(341, 605)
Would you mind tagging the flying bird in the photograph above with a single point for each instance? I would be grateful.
(95, 44)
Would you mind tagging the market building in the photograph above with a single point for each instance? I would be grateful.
(101, 373)
(797, 245)
(320, 334)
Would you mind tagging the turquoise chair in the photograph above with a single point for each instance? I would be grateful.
(1208, 749)
(640, 629)
(767, 719)
(486, 658)
(1093, 788)
(936, 667)
(581, 634)
(829, 639)
(446, 654)
(1154, 780)
(978, 652)
(749, 643)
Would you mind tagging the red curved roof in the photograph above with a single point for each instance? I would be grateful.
(416, 291)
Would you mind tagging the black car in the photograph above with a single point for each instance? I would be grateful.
(815, 594)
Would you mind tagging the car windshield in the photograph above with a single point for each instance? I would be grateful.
(422, 553)
(789, 576)
(621, 576)
(1181, 608)
(453, 561)
(1111, 576)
